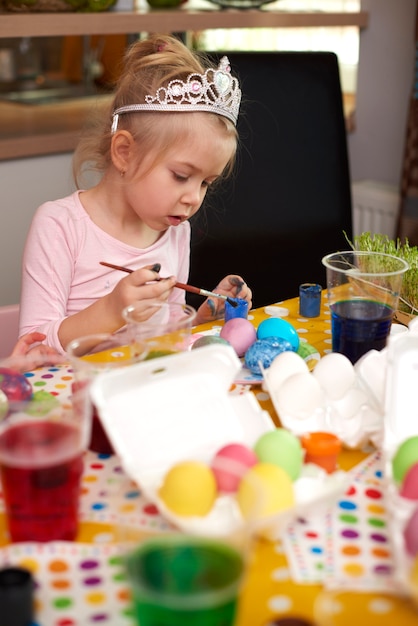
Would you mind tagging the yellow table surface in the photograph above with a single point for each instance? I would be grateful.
(269, 595)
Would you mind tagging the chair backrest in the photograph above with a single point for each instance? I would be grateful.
(289, 202)
(9, 328)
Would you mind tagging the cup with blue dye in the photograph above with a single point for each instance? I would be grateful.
(363, 294)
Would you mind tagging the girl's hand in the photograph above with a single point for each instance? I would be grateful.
(141, 285)
(29, 353)
(214, 308)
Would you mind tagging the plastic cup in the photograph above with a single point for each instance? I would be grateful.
(41, 464)
(321, 448)
(159, 328)
(92, 355)
(185, 580)
(363, 294)
(240, 310)
(310, 299)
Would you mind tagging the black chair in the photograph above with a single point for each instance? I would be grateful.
(289, 202)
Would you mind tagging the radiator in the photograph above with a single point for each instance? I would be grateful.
(375, 208)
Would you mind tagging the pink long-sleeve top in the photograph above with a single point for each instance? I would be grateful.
(62, 275)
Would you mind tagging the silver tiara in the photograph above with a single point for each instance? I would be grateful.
(215, 91)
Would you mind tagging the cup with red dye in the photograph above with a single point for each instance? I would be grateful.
(91, 355)
(42, 445)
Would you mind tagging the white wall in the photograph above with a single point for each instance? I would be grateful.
(375, 148)
(385, 78)
(25, 184)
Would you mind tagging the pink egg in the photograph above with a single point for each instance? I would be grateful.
(240, 333)
(409, 487)
(411, 534)
(230, 464)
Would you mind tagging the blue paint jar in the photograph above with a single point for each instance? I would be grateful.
(240, 310)
(310, 299)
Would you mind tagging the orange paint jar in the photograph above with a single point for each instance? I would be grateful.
(321, 448)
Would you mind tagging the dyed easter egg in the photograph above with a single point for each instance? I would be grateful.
(282, 448)
(409, 487)
(264, 351)
(278, 327)
(265, 490)
(208, 340)
(405, 456)
(240, 333)
(188, 489)
(410, 534)
(15, 385)
(229, 465)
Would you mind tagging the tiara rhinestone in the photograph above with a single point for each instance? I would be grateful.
(215, 91)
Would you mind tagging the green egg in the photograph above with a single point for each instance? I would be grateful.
(405, 456)
(207, 340)
(281, 448)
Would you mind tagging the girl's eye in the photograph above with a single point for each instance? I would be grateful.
(180, 177)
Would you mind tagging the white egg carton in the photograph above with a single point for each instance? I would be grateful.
(171, 409)
(400, 423)
(336, 397)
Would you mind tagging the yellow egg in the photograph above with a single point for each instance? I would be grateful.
(266, 489)
(189, 488)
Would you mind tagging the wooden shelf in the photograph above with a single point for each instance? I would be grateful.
(181, 19)
(31, 130)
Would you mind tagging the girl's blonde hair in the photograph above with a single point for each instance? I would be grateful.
(148, 65)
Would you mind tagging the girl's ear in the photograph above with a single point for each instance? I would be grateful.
(122, 149)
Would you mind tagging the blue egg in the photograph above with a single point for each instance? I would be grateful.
(264, 351)
(277, 327)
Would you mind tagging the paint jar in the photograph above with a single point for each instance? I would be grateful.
(240, 310)
(321, 448)
(310, 299)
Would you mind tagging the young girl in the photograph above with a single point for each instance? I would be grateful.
(168, 136)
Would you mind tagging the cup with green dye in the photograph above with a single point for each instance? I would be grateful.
(159, 328)
(185, 580)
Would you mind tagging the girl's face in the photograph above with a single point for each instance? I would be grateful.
(173, 190)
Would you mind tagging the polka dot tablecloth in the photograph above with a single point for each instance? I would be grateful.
(331, 568)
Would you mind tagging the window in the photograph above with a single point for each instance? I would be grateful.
(344, 41)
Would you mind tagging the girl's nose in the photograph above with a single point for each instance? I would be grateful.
(194, 197)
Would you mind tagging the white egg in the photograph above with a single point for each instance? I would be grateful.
(350, 405)
(299, 395)
(336, 375)
(282, 367)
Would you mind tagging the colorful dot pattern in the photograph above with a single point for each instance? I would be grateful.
(76, 584)
(350, 544)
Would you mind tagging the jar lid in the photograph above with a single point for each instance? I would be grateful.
(16, 596)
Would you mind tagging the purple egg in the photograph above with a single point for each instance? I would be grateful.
(15, 385)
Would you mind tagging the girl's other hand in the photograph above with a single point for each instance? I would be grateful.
(29, 353)
(214, 308)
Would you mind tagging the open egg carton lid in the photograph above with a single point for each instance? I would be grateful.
(171, 409)
(400, 424)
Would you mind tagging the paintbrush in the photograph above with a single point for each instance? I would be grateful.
(189, 288)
